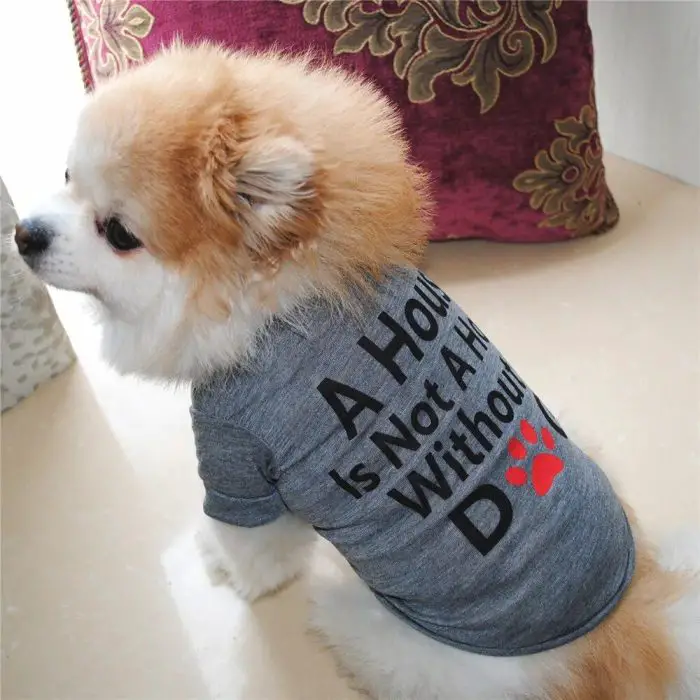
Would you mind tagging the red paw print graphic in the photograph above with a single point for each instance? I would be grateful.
(545, 467)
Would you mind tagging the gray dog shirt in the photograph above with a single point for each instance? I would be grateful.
(406, 440)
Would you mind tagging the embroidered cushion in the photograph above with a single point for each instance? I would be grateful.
(497, 97)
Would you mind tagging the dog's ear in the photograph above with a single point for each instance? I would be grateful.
(265, 189)
(278, 200)
(274, 173)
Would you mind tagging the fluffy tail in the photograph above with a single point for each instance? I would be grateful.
(649, 647)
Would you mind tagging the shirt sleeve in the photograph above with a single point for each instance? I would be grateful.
(232, 465)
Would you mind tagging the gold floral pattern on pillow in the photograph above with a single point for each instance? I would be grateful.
(568, 182)
(475, 43)
(113, 30)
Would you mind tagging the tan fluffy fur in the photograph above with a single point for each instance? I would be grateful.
(357, 207)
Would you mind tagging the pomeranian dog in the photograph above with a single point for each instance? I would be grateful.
(250, 224)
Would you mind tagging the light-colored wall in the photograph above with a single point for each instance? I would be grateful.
(40, 96)
(648, 82)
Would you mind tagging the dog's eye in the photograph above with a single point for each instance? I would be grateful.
(67, 177)
(119, 237)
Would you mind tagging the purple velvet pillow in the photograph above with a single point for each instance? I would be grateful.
(497, 97)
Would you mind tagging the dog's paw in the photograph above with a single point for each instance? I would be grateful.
(254, 561)
(218, 569)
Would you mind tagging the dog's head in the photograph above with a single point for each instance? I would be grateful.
(206, 191)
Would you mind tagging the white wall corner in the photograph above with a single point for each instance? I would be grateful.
(647, 68)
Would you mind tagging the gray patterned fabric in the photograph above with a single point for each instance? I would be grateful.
(35, 346)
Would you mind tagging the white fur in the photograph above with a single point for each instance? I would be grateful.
(681, 553)
(140, 332)
(78, 258)
(255, 561)
(392, 661)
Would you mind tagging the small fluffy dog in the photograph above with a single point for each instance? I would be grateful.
(250, 224)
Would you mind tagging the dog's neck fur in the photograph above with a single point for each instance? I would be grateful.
(171, 344)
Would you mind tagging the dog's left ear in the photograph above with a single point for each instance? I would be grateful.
(278, 201)
(261, 192)
(264, 190)
(273, 174)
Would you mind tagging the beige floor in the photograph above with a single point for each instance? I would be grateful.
(103, 594)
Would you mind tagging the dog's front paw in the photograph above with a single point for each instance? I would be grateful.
(254, 561)
(219, 570)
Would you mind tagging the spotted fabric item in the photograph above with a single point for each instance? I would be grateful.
(35, 346)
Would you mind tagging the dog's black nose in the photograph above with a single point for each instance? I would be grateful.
(32, 237)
